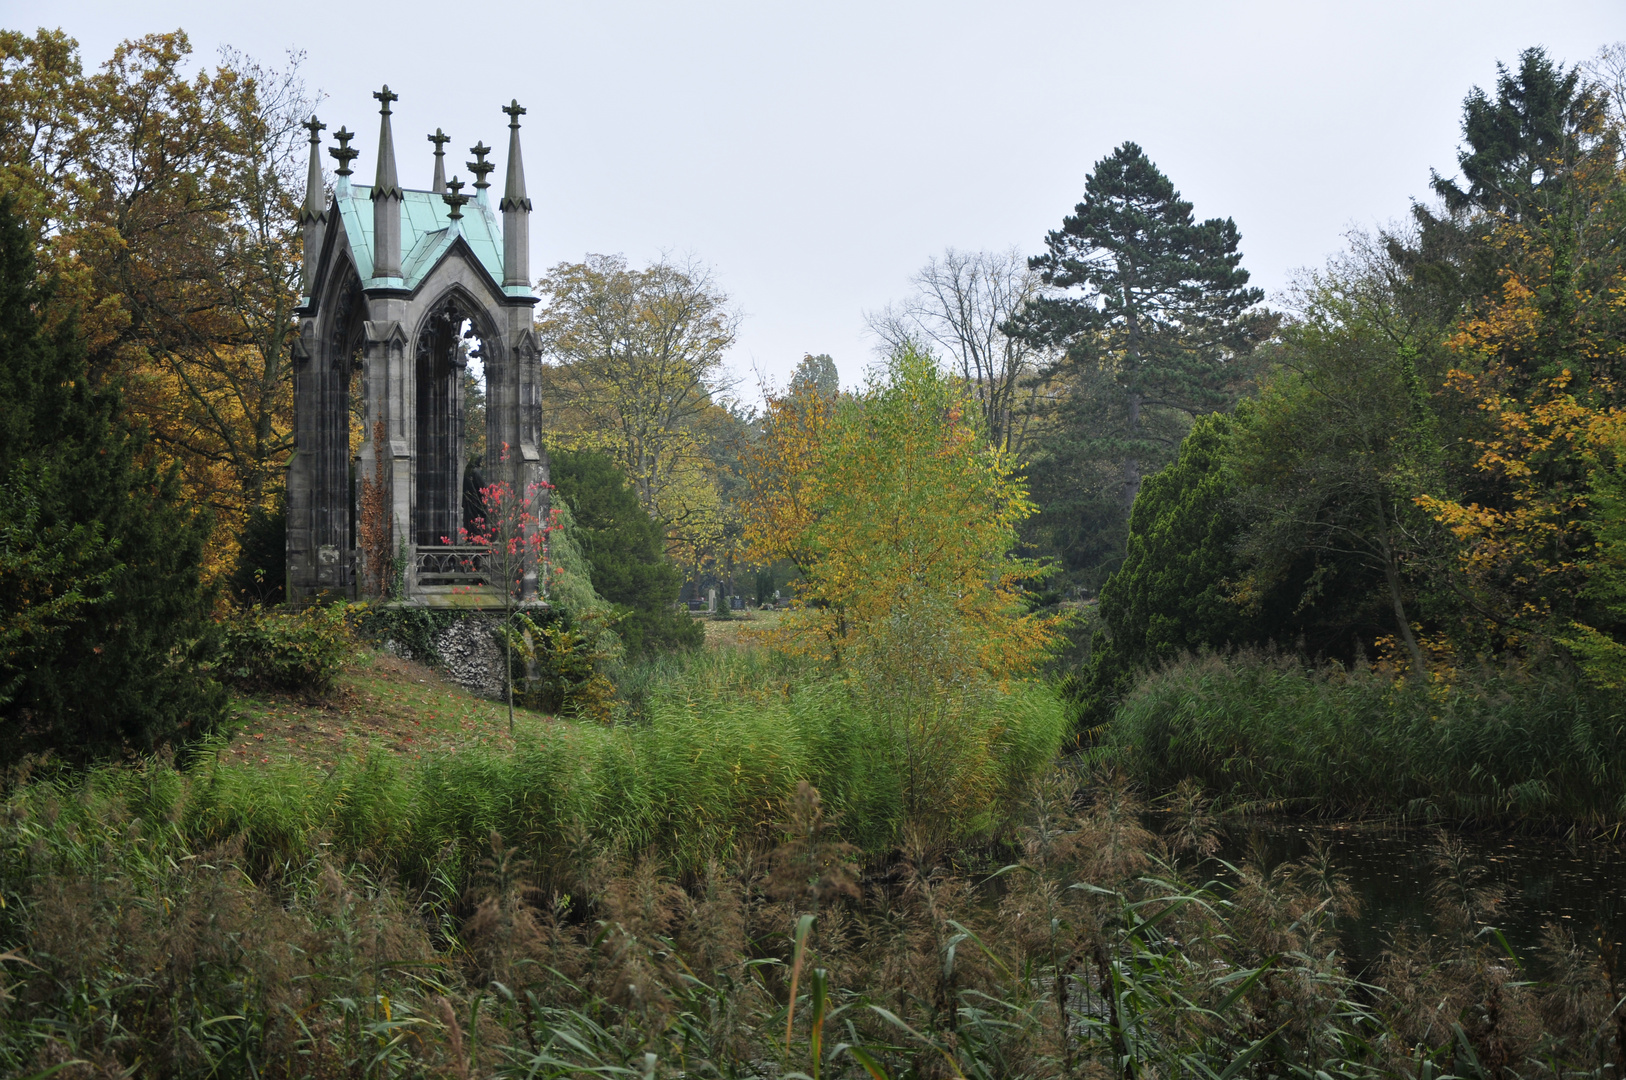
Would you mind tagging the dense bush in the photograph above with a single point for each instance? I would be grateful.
(1485, 744)
(1184, 586)
(625, 553)
(260, 576)
(559, 662)
(290, 652)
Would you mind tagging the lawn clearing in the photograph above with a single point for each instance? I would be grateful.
(742, 631)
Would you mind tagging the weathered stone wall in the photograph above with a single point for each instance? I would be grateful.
(468, 648)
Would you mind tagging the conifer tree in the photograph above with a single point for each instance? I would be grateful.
(624, 552)
(1153, 308)
(101, 608)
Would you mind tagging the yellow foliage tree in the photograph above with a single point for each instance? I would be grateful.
(163, 205)
(901, 518)
(638, 367)
(1539, 364)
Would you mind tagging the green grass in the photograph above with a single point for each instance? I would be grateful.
(1489, 745)
(663, 897)
(720, 742)
(383, 705)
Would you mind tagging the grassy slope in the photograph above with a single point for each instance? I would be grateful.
(384, 704)
(398, 707)
(405, 771)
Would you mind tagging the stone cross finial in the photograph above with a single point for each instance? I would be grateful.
(342, 153)
(455, 198)
(480, 166)
(514, 110)
(385, 96)
(440, 139)
(314, 126)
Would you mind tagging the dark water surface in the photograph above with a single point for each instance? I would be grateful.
(1578, 884)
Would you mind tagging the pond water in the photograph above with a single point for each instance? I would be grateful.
(1576, 883)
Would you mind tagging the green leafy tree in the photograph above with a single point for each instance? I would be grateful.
(816, 374)
(1343, 435)
(625, 553)
(101, 603)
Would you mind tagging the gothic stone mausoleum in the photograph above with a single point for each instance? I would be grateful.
(401, 289)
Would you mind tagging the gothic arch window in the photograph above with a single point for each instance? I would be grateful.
(448, 339)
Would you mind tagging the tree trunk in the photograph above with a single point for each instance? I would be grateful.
(1391, 575)
(1132, 464)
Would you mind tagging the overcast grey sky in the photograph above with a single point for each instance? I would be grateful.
(815, 154)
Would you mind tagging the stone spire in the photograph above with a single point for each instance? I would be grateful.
(516, 210)
(480, 167)
(386, 197)
(313, 215)
(315, 208)
(440, 139)
(513, 196)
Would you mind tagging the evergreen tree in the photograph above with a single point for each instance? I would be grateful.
(1153, 308)
(625, 555)
(1524, 146)
(100, 599)
(816, 374)
(1532, 154)
(1169, 596)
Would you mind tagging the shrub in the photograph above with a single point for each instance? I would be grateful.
(625, 553)
(299, 652)
(559, 660)
(1521, 741)
(260, 576)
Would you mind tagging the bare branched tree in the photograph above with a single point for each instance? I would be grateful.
(1607, 71)
(960, 302)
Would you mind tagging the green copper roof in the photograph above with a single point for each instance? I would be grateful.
(426, 234)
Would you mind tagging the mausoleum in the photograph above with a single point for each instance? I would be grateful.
(401, 289)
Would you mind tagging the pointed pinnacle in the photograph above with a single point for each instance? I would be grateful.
(455, 198)
(342, 153)
(386, 184)
(315, 208)
(513, 196)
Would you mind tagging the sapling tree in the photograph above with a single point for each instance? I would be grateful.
(514, 529)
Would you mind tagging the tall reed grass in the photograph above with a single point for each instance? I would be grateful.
(1493, 744)
(129, 948)
(720, 740)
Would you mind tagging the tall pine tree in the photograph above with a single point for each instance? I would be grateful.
(101, 608)
(1153, 309)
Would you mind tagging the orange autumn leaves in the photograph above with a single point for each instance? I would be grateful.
(1535, 363)
(892, 503)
